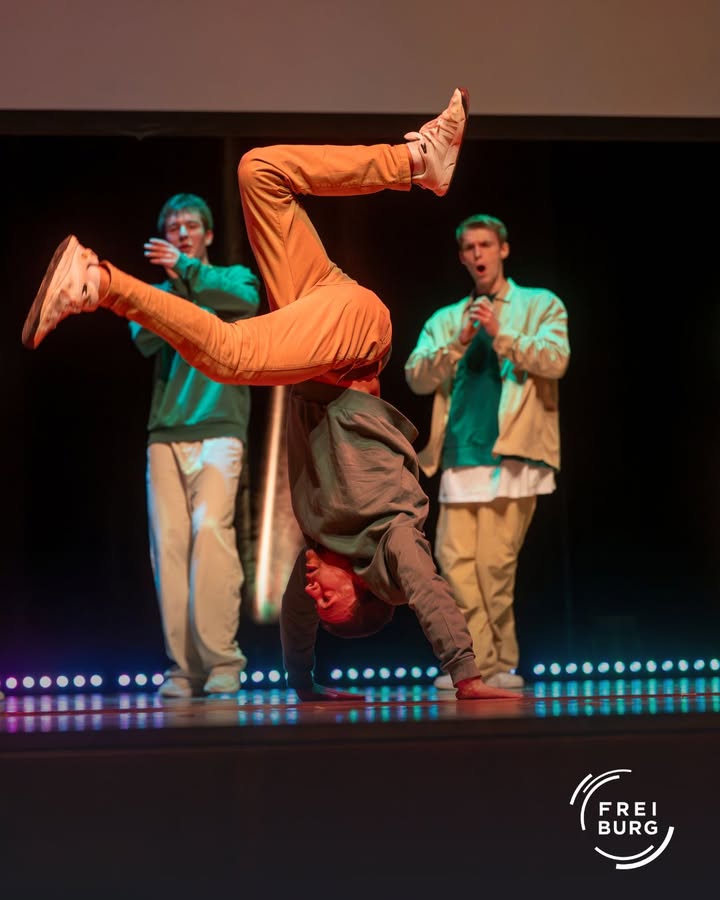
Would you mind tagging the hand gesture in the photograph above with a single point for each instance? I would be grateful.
(321, 694)
(481, 312)
(162, 253)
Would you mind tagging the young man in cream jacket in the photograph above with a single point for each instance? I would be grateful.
(493, 361)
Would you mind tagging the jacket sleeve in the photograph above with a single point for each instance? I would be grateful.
(298, 628)
(231, 291)
(545, 352)
(435, 356)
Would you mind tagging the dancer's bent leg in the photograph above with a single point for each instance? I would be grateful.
(289, 253)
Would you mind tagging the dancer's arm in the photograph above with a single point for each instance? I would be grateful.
(298, 631)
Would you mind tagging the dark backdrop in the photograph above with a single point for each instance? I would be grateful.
(621, 561)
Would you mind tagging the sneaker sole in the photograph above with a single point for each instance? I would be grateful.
(465, 95)
(55, 273)
(226, 690)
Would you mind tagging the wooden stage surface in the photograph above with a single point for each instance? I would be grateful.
(404, 793)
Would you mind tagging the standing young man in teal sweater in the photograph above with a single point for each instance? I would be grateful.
(197, 431)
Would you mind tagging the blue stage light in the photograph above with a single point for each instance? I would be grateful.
(336, 674)
(28, 682)
(274, 676)
(62, 681)
(571, 668)
(368, 673)
(384, 673)
(603, 667)
(124, 680)
(651, 665)
(79, 681)
(257, 677)
(400, 672)
(45, 681)
(587, 668)
(539, 669)
(96, 680)
(141, 680)
(352, 674)
(416, 672)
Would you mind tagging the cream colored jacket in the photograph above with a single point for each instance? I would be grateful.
(533, 352)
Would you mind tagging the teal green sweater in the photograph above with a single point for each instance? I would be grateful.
(186, 405)
(472, 427)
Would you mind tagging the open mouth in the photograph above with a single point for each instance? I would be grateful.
(480, 269)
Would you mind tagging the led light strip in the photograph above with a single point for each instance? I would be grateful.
(619, 667)
(274, 678)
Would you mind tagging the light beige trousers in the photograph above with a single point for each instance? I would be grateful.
(477, 546)
(191, 490)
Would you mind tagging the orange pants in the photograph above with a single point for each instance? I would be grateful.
(323, 325)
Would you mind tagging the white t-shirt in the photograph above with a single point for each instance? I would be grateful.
(481, 484)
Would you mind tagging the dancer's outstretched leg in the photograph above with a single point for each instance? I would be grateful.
(333, 328)
(345, 331)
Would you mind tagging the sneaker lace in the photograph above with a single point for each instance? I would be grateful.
(427, 130)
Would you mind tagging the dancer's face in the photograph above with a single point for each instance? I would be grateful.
(185, 230)
(330, 581)
(483, 255)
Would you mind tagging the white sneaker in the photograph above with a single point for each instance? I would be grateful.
(444, 683)
(506, 680)
(177, 688)
(71, 285)
(439, 143)
(223, 683)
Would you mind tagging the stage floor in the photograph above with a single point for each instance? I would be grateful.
(406, 793)
(402, 711)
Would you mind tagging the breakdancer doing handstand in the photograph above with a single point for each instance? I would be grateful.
(353, 472)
